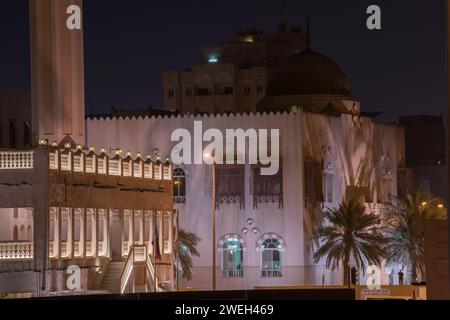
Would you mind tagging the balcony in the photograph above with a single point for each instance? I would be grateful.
(14, 160)
(17, 250)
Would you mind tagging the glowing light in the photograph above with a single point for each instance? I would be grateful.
(67, 145)
(103, 150)
(213, 59)
(42, 142)
(54, 144)
(249, 39)
(79, 147)
(139, 155)
(91, 148)
(440, 206)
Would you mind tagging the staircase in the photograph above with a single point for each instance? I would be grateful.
(111, 281)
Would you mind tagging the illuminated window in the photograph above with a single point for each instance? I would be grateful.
(148, 169)
(53, 159)
(78, 163)
(90, 164)
(65, 162)
(179, 186)
(137, 169)
(127, 165)
(213, 59)
(167, 174)
(271, 260)
(157, 171)
(114, 167)
(232, 257)
(101, 166)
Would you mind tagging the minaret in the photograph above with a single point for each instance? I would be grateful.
(57, 70)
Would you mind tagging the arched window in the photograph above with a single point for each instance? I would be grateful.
(232, 256)
(12, 135)
(327, 183)
(26, 135)
(271, 247)
(179, 186)
(29, 234)
(22, 233)
(15, 233)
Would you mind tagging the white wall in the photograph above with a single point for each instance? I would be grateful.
(350, 143)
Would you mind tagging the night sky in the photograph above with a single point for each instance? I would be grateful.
(128, 45)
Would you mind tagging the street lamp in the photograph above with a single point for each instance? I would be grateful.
(209, 156)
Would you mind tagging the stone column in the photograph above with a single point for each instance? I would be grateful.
(131, 230)
(122, 231)
(82, 232)
(160, 232)
(70, 233)
(151, 233)
(57, 236)
(94, 240)
(41, 224)
(141, 227)
(106, 233)
(170, 232)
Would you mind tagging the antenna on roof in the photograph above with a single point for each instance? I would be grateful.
(308, 32)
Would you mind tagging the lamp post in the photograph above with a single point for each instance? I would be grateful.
(209, 156)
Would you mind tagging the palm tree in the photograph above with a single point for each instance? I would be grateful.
(406, 231)
(350, 233)
(187, 247)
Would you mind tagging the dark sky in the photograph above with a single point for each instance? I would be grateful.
(128, 45)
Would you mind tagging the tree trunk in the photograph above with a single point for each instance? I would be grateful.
(413, 272)
(346, 273)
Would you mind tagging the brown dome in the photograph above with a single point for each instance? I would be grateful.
(308, 73)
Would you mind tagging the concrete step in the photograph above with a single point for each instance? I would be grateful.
(111, 281)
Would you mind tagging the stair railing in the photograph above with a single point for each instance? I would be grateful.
(138, 254)
(153, 278)
(127, 270)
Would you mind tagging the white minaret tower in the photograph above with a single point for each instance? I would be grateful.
(57, 70)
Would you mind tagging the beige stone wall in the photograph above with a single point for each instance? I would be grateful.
(57, 72)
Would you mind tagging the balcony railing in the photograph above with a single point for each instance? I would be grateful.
(70, 161)
(271, 273)
(232, 273)
(13, 160)
(16, 250)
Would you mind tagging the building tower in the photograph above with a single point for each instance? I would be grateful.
(57, 70)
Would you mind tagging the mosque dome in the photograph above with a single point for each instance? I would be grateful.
(308, 73)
